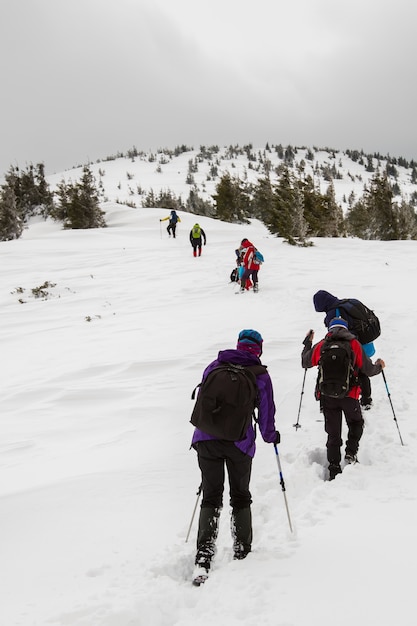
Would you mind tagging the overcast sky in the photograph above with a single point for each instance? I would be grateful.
(84, 79)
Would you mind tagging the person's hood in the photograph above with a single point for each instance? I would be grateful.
(324, 301)
(338, 332)
(240, 357)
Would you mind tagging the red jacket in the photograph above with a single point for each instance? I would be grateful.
(249, 256)
(311, 357)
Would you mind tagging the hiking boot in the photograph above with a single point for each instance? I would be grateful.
(200, 575)
(241, 527)
(334, 470)
(255, 287)
(366, 403)
(242, 289)
(351, 458)
(240, 551)
(207, 534)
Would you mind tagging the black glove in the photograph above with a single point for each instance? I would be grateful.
(277, 438)
(309, 338)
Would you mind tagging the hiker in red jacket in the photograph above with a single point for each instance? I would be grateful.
(348, 405)
(251, 267)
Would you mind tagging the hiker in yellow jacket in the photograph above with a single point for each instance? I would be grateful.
(173, 219)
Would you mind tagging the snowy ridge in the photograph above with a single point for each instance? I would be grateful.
(98, 482)
(128, 180)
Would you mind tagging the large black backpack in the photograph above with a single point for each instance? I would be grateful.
(226, 401)
(336, 373)
(362, 321)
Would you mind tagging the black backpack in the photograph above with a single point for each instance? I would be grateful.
(362, 321)
(336, 372)
(226, 401)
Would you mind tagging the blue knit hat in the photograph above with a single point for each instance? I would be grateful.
(338, 321)
(250, 341)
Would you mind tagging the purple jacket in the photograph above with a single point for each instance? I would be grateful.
(266, 409)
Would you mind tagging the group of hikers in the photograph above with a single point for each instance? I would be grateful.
(248, 258)
(343, 389)
(248, 261)
(197, 235)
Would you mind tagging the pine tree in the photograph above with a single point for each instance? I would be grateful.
(375, 216)
(378, 199)
(334, 213)
(263, 199)
(11, 224)
(299, 227)
(406, 221)
(314, 209)
(232, 202)
(280, 219)
(31, 190)
(79, 203)
(358, 221)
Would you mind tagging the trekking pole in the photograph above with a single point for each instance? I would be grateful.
(200, 489)
(393, 412)
(160, 228)
(282, 483)
(297, 425)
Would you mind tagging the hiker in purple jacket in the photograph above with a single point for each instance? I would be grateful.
(214, 453)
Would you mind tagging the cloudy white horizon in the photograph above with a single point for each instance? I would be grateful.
(86, 79)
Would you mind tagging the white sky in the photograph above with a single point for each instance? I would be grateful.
(84, 79)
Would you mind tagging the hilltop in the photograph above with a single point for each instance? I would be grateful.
(129, 177)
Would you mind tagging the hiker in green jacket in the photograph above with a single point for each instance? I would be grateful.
(196, 236)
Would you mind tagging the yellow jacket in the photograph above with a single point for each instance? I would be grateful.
(164, 219)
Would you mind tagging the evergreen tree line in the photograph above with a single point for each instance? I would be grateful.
(26, 193)
(290, 206)
(293, 208)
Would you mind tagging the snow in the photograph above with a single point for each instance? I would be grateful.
(98, 483)
(130, 179)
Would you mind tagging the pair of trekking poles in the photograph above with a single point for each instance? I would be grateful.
(281, 481)
(297, 425)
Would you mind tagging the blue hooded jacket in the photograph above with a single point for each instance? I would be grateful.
(327, 303)
(266, 408)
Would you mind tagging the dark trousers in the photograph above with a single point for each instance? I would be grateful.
(247, 274)
(333, 411)
(196, 244)
(365, 385)
(171, 228)
(213, 457)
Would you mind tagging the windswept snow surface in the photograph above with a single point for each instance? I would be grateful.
(98, 483)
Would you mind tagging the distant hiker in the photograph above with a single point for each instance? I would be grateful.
(197, 234)
(334, 307)
(173, 219)
(237, 272)
(234, 275)
(340, 357)
(216, 450)
(250, 266)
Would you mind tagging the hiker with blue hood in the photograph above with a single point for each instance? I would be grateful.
(339, 357)
(362, 322)
(232, 386)
(173, 221)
